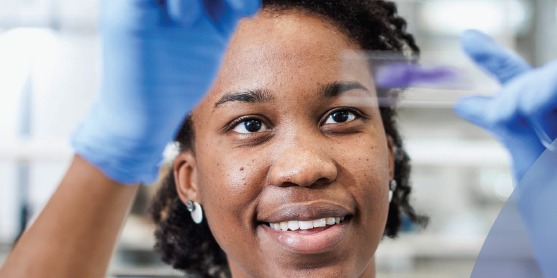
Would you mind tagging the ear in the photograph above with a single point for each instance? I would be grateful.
(185, 175)
(391, 156)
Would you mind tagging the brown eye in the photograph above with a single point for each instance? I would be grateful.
(341, 116)
(250, 126)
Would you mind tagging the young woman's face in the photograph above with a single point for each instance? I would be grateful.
(278, 139)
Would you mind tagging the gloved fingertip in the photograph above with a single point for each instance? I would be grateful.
(474, 42)
(244, 7)
(473, 109)
(184, 12)
(472, 34)
(497, 60)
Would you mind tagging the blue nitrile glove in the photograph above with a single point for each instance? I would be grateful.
(521, 116)
(159, 59)
(526, 102)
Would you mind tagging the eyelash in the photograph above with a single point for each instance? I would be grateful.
(232, 125)
(356, 112)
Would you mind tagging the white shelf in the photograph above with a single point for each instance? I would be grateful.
(457, 153)
(432, 246)
(35, 150)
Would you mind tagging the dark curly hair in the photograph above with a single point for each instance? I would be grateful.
(373, 25)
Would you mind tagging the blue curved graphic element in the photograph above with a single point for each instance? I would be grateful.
(523, 239)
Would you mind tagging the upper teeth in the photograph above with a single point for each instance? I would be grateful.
(304, 225)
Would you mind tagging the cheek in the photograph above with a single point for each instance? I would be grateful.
(227, 176)
(366, 161)
(229, 187)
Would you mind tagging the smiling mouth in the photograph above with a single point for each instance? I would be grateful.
(299, 237)
(308, 226)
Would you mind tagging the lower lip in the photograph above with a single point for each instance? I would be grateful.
(309, 242)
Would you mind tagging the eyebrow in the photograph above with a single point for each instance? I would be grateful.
(251, 96)
(330, 90)
(338, 88)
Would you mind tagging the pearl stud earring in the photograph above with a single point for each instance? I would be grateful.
(392, 188)
(196, 211)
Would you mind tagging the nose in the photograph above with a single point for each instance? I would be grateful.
(304, 164)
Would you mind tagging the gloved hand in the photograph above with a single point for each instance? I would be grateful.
(158, 59)
(524, 113)
(521, 116)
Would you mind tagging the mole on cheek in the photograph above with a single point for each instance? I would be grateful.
(241, 168)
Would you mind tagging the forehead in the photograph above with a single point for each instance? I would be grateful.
(274, 51)
(287, 35)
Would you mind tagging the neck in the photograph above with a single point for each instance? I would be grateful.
(370, 270)
(239, 272)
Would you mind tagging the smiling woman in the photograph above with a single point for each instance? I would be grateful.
(293, 179)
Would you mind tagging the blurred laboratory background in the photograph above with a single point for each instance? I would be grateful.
(49, 71)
